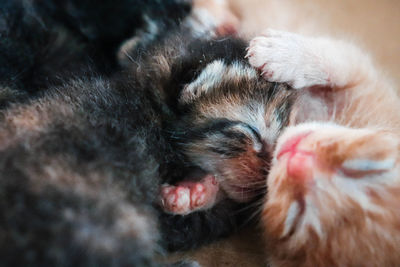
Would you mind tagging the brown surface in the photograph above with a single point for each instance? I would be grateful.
(242, 249)
(375, 25)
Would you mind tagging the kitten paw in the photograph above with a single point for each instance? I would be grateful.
(286, 57)
(189, 196)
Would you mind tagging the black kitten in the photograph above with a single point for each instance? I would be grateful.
(82, 162)
(42, 43)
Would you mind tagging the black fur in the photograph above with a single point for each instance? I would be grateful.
(64, 182)
(42, 43)
(85, 146)
(171, 63)
(183, 57)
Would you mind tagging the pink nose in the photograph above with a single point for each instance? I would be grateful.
(291, 144)
(300, 165)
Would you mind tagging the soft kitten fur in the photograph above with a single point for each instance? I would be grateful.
(45, 42)
(84, 150)
(334, 183)
(233, 118)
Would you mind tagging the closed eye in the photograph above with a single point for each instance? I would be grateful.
(254, 133)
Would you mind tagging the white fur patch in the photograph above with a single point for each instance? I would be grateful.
(214, 74)
(211, 76)
(369, 165)
(310, 218)
(291, 215)
(304, 61)
(237, 69)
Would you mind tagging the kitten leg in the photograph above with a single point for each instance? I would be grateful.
(189, 196)
(305, 61)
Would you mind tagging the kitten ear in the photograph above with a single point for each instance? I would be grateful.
(214, 76)
(210, 77)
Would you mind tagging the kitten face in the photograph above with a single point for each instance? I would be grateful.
(236, 118)
(333, 199)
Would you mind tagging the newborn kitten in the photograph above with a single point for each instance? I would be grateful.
(233, 118)
(333, 180)
(333, 188)
(83, 152)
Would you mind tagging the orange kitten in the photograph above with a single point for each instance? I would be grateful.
(334, 186)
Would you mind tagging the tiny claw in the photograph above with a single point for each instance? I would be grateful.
(249, 54)
(262, 67)
(267, 74)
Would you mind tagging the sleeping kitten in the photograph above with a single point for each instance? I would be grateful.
(335, 164)
(333, 189)
(233, 119)
(333, 182)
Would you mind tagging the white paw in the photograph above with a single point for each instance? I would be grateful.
(287, 57)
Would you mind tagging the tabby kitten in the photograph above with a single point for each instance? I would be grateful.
(331, 155)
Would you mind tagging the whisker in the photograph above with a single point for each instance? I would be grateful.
(130, 58)
(251, 205)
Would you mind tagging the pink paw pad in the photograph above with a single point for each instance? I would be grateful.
(176, 199)
(189, 196)
(197, 195)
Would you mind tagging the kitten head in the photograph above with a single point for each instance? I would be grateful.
(333, 195)
(235, 118)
